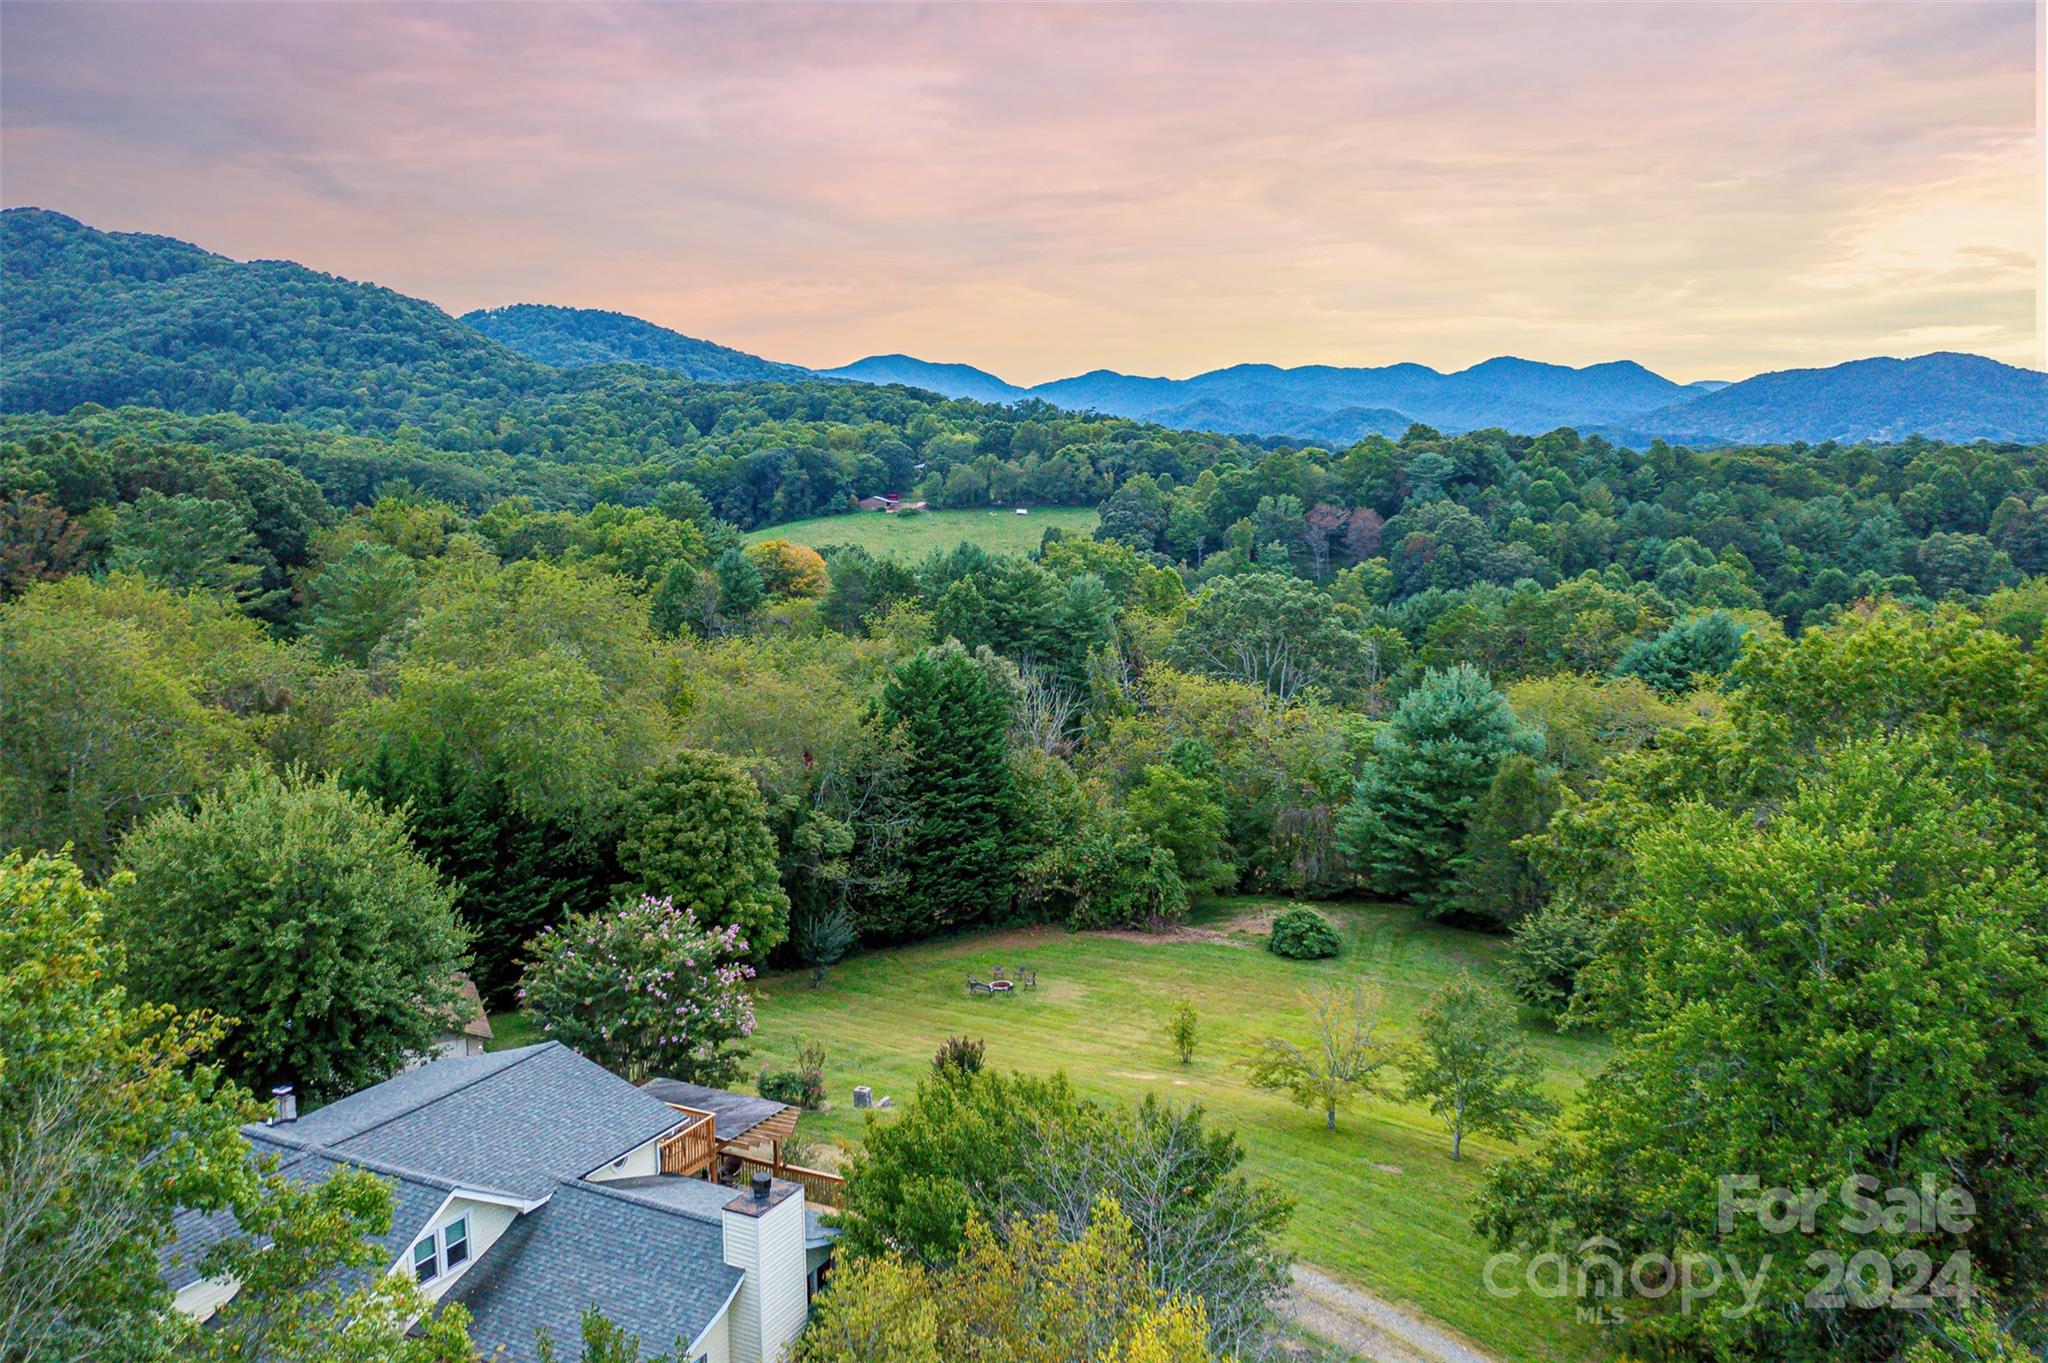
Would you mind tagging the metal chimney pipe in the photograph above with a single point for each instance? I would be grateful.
(762, 1184)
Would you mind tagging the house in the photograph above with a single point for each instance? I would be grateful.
(473, 1036)
(877, 503)
(531, 1184)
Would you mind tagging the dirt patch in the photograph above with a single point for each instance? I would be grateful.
(1173, 936)
(1387, 1168)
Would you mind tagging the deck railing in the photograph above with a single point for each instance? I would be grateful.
(694, 1149)
(820, 1187)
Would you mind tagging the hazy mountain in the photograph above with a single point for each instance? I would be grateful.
(952, 380)
(1333, 427)
(573, 337)
(118, 318)
(1320, 401)
(1946, 396)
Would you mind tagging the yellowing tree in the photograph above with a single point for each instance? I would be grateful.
(1024, 1296)
(789, 569)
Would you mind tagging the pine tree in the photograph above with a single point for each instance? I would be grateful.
(1430, 766)
(1497, 882)
(740, 589)
(361, 597)
(958, 854)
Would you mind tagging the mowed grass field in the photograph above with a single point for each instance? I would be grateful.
(909, 537)
(1379, 1203)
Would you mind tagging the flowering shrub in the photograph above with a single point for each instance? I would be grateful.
(645, 989)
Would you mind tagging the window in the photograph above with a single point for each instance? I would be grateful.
(454, 1243)
(424, 1263)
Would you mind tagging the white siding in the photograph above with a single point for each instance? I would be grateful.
(487, 1221)
(638, 1162)
(716, 1344)
(772, 1303)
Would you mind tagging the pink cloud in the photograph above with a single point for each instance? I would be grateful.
(1042, 190)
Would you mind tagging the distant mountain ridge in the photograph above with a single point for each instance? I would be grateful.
(1945, 396)
(120, 318)
(953, 380)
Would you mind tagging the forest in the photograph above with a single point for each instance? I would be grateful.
(349, 624)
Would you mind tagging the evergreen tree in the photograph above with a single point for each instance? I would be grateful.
(822, 937)
(361, 597)
(1497, 882)
(740, 588)
(696, 832)
(958, 854)
(1083, 620)
(191, 543)
(1429, 767)
(1704, 646)
(520, 873)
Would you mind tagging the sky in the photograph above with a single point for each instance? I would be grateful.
(1712, 190)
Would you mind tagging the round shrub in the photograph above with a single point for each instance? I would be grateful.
(1304, 935)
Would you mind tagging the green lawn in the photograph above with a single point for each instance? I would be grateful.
(1380, 1202)
(909, 537)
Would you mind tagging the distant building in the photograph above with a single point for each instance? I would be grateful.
(873, 503)
(473, 1034)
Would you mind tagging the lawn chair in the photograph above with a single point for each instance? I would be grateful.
(1027, 978)
(975, 986)
(999, 972)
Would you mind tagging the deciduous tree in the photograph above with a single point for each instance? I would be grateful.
(111, 1118)
(1471, 1067)
(1342, 1061)
(645, 989)
(298, 909)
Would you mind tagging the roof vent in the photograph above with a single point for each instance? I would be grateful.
(287, 1105)
(762, 1183)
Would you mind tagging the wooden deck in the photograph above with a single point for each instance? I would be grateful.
(820, 1188)
(696, 1152)
(693, 1150)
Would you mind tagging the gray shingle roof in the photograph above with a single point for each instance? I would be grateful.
(695, 1197)
(737, 1113)
(516, 1120)
(415, 1198)
(524, 1125)
(657, 1271)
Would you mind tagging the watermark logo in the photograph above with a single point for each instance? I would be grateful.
(1595, 1274)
